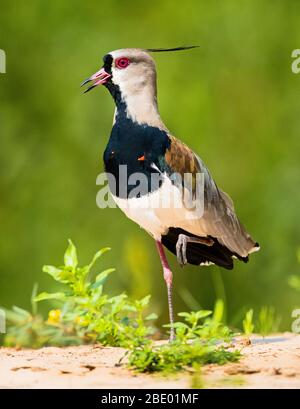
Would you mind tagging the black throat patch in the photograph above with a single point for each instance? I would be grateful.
(108, 59)
(112, 88)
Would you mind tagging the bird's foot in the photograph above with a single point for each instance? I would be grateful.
(181, 246)
(172, 335)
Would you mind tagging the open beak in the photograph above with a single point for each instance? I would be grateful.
(100, 77)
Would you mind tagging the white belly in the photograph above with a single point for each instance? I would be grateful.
(157, 211)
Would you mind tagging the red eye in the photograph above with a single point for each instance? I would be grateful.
(122, 62)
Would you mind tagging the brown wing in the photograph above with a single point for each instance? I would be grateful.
(182, 160)
(219, 219)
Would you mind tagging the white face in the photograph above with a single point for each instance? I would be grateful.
(133, 70)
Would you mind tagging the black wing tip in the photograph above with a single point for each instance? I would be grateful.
(244, 259)
(162, 50)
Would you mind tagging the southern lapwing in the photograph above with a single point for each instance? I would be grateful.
(141, 146)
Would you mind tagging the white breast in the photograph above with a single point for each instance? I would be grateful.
(157, 211)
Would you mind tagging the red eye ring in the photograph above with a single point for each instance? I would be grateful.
(122, 62)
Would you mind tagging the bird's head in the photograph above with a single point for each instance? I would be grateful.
(127, 71)
(130, 76)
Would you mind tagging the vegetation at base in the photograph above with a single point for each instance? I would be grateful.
(248, 325)
(267, 322)
(84, 313)
(201, 339)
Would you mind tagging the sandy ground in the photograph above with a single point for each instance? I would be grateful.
(273, 362)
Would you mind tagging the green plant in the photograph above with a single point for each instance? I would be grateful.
(248, 325)
(268, 322)
(85, 313)
(200, 339)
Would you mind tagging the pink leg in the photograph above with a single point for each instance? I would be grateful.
(168, 276)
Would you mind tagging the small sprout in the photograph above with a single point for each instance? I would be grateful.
(248, 325)
(268, 322)
(70, 257)
(219, 311)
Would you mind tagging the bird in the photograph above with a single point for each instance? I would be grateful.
(141, 144)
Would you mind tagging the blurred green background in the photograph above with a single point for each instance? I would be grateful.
(235, 101)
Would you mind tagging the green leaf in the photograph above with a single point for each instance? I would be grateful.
(184, 314)
(101, 278)
(103, 275)
(49, 296)
(97, 255)
(248, 325)
(218, 311)
(145, 301)
(176, 325)
(195, 315)
(55, 272)
(152, 316)
(203, 314)
(14, 317)
(70, 257)
(21, 312)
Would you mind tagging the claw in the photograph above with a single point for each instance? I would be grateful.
(181, 250)
(181, 246)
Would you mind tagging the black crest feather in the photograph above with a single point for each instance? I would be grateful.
(160, 50)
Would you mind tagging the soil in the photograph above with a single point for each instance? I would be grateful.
(272, 362)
